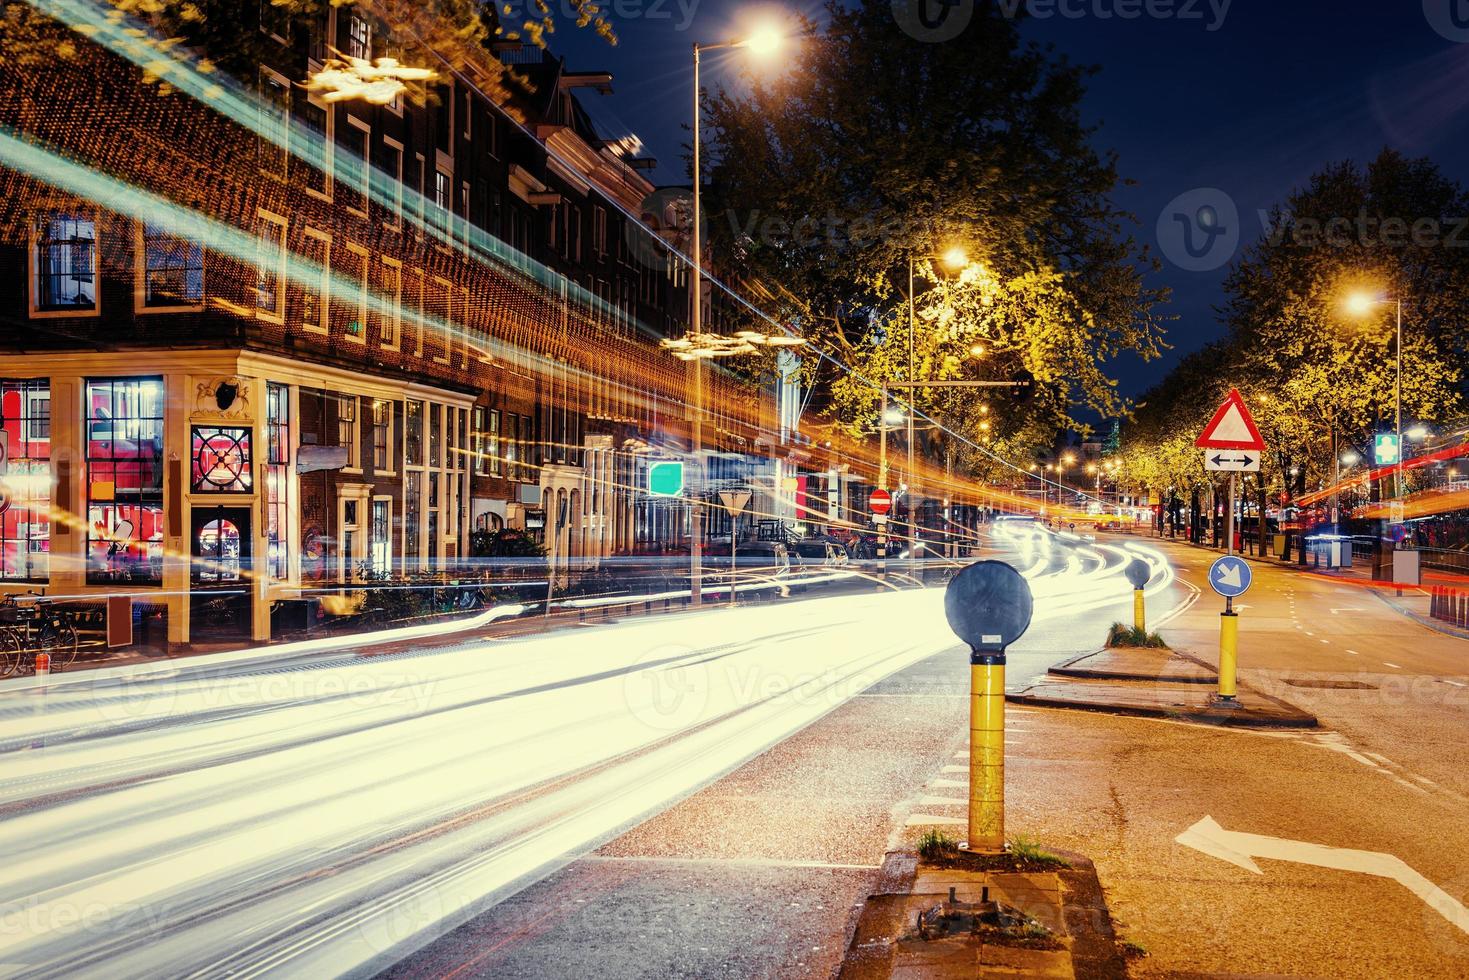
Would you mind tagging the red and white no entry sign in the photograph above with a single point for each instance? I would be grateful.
(880, 502)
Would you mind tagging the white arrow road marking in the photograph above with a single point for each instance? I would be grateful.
(1238, 849)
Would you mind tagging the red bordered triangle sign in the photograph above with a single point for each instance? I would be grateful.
(1232, 427)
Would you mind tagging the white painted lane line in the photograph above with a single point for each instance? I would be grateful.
(1455, 683)
(948, 784)
(1354, 653)
(1392, 665)
(941, 801)
(955, 768)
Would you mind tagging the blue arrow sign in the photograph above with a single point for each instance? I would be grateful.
(1230, 576)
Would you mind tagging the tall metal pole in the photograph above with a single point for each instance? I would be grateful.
(882, 483)
(912, 477)
(1229, 526)
(1398, 483)
(696, 516)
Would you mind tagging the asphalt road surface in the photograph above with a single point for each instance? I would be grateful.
(344, 810)
(711, 794)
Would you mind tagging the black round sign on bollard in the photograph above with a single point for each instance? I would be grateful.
(1138, 573)
(988, 606)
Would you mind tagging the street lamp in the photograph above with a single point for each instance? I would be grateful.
(1361, 304)
(762, 42)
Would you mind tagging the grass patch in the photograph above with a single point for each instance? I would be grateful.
(1131, 636)
(935, 844)
(1030, 851)
(1132, 950)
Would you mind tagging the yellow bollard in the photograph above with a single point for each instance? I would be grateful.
(1228, 653)
(1139, 611)
(987, 753)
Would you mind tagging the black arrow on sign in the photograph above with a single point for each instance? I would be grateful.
(1221, 460)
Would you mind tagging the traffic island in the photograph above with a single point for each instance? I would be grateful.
(1156, 683)
(956, 914)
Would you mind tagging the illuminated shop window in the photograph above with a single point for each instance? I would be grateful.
(25, 486)
(124, 433)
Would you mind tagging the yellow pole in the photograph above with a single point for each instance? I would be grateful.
(1139, 611)
(987, 752)
(1228, 652)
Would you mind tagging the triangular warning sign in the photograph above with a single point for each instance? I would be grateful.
(1232, 427)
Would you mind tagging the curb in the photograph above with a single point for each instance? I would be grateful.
(1064, 669)
(1094, 951)
(1222, 718)
(1427, 622)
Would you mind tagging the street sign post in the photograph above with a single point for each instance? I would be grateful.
(1232, 430)
(988, 606)
(1230, 577)
(735, 502)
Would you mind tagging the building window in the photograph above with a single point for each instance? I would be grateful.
(275, 123)
(443, 199)
(172, 270)
(392, 316)
(382, 436)
(492, 445)
(270, 265)
(311, 162)
(413, 434)
(222, 460)
(359, 36)
(65, 264)
(353, 186)
(277, 480)
(390, 162)
(316, 280)
(412, 517)
(358, 261)
(347, 429)
(599, 231)
(382, 537)
(480, 437)
(435, 434)
(25, 526)
(124, 419)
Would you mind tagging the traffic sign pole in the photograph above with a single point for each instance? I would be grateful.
(989, 606)
(1228, 651)
(987, 752)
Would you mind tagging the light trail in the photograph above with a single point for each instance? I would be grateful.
(331, 812)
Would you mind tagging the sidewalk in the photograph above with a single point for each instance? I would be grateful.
(1156, 683)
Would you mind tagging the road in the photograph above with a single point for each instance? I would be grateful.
(332, 812)
(711, 794)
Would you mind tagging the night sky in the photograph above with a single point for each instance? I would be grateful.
(1251, 108)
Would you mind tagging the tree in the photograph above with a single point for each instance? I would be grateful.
(874, 149)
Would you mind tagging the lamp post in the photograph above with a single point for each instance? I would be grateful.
(1360, 304)
(762, 42)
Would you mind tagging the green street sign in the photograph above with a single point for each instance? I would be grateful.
(665, 479)
(1387, 450)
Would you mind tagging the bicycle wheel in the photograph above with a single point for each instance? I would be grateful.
(58, 638)
(9, 652)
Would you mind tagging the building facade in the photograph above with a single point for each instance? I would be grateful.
(256, 344)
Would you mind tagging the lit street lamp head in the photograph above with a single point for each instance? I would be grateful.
(1361, 303)
(764, 42)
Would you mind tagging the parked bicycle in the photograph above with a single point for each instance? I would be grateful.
(29, 627)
